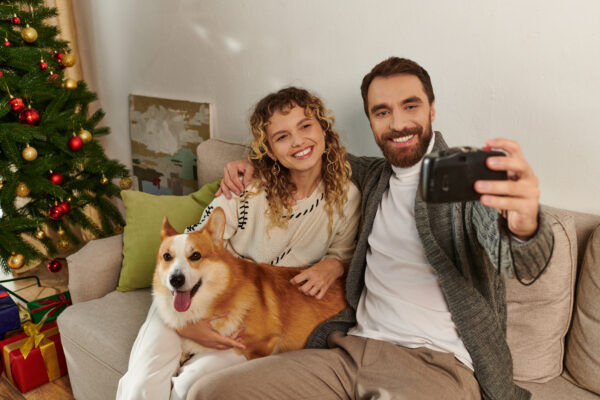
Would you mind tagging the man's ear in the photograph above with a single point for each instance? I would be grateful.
(167, 230)
(432, 112)
(216, 225)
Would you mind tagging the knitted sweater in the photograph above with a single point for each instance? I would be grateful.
(461, 242)
(304, 241)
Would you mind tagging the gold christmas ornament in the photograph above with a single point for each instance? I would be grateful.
(60, 231)
(29, 34)
(70, 83)
(103, 180)
(62, 244)
(22, 190)
(68, 60)
(29, 153)
(16, 261)
(1, 184)
(125, 183)
(39, 234)
(85, 135)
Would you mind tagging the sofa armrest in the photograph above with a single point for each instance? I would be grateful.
(94, 269)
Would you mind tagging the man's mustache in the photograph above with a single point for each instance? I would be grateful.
(415, 130)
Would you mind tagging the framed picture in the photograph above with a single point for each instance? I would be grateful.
(164, 136)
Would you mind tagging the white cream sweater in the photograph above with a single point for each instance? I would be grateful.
(305, 240)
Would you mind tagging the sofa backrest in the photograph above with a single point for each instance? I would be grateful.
(213, 155)
(584, 225)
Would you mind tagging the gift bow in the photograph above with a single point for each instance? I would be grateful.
(55, 304)
(35, 336)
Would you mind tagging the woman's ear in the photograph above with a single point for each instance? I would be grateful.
(271, 155)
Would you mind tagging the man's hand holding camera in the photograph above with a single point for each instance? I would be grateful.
(518, 197)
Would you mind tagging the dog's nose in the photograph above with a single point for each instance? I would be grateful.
(177, 280)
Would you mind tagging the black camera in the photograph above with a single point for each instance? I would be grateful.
(449, 175)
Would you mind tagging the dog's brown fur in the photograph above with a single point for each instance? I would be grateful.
(275, 315)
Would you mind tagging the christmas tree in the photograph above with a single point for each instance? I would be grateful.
(51, 167)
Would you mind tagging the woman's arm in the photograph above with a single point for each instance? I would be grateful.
(316, 280)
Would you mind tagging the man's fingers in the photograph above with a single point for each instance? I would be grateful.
(500, 163)
(509, 146)
(224, 190)
(248, 173)
(509, 203)
(511, 188)
(232, 181)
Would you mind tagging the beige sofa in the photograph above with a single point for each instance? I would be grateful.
(100, 328)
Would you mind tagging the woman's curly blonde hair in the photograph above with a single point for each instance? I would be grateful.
(335, 170)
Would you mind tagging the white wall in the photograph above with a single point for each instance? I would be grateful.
(526, 70)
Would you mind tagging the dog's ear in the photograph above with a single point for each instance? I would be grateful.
(167, 230)
(216, 225)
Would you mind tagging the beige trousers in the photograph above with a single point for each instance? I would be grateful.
(354, 368)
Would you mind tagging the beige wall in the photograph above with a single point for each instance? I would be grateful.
(526, 70)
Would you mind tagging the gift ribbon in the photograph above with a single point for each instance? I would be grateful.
(47, 349)
(35, 337)
(3, 294)
(55, 304)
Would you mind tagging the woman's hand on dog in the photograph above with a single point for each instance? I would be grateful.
(315, 281)
(204, 334)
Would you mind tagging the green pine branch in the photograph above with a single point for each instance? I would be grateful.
(63, 112)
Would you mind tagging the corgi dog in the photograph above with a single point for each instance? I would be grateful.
(197, 278)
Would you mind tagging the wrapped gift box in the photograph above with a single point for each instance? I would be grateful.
(34, 357)
(52, 305)
(9, 313)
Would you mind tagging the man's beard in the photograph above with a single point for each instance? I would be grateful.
(409, 156)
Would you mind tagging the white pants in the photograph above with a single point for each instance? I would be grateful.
(154, 363)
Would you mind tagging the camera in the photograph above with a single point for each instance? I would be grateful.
(449, 175)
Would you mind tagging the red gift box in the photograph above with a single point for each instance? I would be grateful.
(44, 362)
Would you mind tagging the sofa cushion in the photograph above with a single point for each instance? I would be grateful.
(558, 388)
(141, 237)
(539, 315)
(582, 359)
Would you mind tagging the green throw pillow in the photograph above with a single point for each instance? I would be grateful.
(141, 237)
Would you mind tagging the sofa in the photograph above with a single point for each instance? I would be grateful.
(550, 329)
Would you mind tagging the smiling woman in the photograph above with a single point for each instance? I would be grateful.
(302, 179)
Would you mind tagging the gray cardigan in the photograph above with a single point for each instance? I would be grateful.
(461, 242)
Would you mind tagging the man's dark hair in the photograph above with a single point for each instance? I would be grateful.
(395, 66)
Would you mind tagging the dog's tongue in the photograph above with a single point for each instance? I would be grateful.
(181, 300)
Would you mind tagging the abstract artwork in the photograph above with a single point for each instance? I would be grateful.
(164, 136)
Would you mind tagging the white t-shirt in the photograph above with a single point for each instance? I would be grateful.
(402, 301)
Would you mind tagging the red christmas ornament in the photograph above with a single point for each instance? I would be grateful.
(43, 65)
(1, 74)
(65, 206)
(16, 20)
(56, 212)
(16, 104)
(75, 143)
(6, 43)
(56, 178)
(30, 117)
(54, 265)
(58, 56)
(53, 76)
